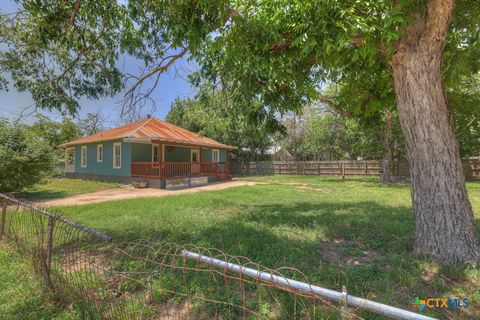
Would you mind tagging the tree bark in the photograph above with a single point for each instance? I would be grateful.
(387, 150)
(444, 222)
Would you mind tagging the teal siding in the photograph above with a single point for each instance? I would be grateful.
(182, 154)
(105, 167)
(141, 152)
(207, 155)
(223, 156)
(177, 154)
(135, 152)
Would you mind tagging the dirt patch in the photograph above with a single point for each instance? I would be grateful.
(309, 188)
(430, 273)
(346, 253)
(76, 259)
(182, 310)
(129, 192)
(301, 186)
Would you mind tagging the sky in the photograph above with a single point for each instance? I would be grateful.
(172, 84)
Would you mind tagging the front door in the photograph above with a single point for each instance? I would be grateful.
(195, 160)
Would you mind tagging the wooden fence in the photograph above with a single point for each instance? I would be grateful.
(398, 169)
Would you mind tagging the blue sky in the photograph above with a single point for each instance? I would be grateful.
(172, 84)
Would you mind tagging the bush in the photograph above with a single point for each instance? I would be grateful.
(25, 158)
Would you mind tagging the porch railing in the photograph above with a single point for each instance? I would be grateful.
(178, 169)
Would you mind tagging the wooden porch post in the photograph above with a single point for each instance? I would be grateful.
(160, 157)
(201, 160)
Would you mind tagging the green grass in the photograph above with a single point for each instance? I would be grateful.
(289, 221)
(21, 296)
(61, 187)
(354, 232)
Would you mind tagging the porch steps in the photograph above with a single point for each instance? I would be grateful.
(224, 177)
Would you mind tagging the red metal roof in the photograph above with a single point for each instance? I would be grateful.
(150, 129)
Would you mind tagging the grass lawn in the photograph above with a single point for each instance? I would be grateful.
(355, 232)
(61, 187)
(21, 296)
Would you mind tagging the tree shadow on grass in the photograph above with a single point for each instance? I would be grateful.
(370, 224)
(367, 222)
(291, 235)
(395, 276)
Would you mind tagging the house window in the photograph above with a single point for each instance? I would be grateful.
(215, 156)
(83, 158)
(155, 153)
(99, 152)
(194, 155)
(117, 155)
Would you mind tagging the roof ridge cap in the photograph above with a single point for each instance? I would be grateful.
(131, 133)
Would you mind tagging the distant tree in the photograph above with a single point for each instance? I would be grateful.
(92, 123)
(54, 132)
(213, 114)
(294, 139)
(464, 97)
(25, 157)
(184, 113)
(321, 133)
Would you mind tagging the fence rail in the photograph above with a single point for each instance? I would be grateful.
(104, 279)
(308, 289)
(398, 168)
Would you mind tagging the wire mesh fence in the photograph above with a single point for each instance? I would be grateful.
(145, 280)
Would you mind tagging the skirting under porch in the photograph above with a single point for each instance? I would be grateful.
(161, 183)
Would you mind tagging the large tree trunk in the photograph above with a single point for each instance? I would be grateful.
(387, 149)
(444, 222)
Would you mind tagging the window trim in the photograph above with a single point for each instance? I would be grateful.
(153, 153)
(192, 151)
(114, 155)
(218, 155)
(98, 153)
(83, 157)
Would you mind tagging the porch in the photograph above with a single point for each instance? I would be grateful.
(164, 170)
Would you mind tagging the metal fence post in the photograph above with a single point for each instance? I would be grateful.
(345, 311)
(3, 218)
(49, 248)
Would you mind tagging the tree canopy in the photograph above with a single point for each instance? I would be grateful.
(272, 56)
(275, 52)
(214, 115)
(321, 133)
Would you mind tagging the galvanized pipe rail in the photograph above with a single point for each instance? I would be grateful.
(341, 297)
(54, 216)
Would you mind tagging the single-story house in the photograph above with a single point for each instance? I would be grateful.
(150, 150)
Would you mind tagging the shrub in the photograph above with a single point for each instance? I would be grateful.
(25, 158)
